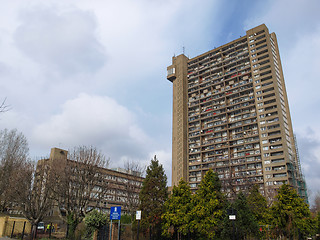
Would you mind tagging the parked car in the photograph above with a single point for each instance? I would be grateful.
(41, 227)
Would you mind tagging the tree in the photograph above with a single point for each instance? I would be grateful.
(316, 205)
(208, 208)
(23, 185)
(315, 210)
(32, 192)
(80, 183)
(290, 214)
(14, 153)
(152, 196)
(3, 106)
(258, 205)
(245, 223)
(177, 210)
(94, 220)
(131, 189)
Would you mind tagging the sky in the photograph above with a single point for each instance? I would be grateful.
(80, 72)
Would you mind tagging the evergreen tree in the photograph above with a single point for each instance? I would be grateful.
(208, 208)
(258, 205)
(152, 196)
(245, 225)
(246, 222)
(290, 214)
(177, 210)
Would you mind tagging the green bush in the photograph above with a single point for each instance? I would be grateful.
(94, 220)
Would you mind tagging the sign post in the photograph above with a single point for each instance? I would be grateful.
(115, 214)
(138, 217)
(110, 235)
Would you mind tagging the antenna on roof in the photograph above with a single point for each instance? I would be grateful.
(183, 49)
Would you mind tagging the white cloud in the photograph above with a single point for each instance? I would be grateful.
(51, 51)
(61, 41)
(301, 66)
(13, 119)
(93, 120)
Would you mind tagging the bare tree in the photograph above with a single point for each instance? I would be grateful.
(316, 204)
(13, 155)
(81, 183)
(3, 106)
(132, 187)
(32, 192)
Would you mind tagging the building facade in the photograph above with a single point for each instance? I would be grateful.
(121, 187)
(231, 114)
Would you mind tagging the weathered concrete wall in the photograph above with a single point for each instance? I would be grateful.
(6, 226)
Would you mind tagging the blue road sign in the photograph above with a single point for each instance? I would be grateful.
(115, 213)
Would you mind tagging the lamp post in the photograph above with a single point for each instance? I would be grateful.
(232, 216)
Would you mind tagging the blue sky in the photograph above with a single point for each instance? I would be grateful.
(79, 72)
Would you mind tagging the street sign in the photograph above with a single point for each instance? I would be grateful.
(115, 213)
(232, 217)
(138, 215)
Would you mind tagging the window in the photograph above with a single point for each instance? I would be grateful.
(260, 104)
(171, 71)
(263, 128)
(263, 135)
(268, 168)
(265, 148)
(259, 92)
(266, 155)
(264, 141)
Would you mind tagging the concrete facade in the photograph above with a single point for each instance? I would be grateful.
(231, 114)
(117, 182)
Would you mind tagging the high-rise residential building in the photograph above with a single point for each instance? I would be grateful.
(231, 114)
